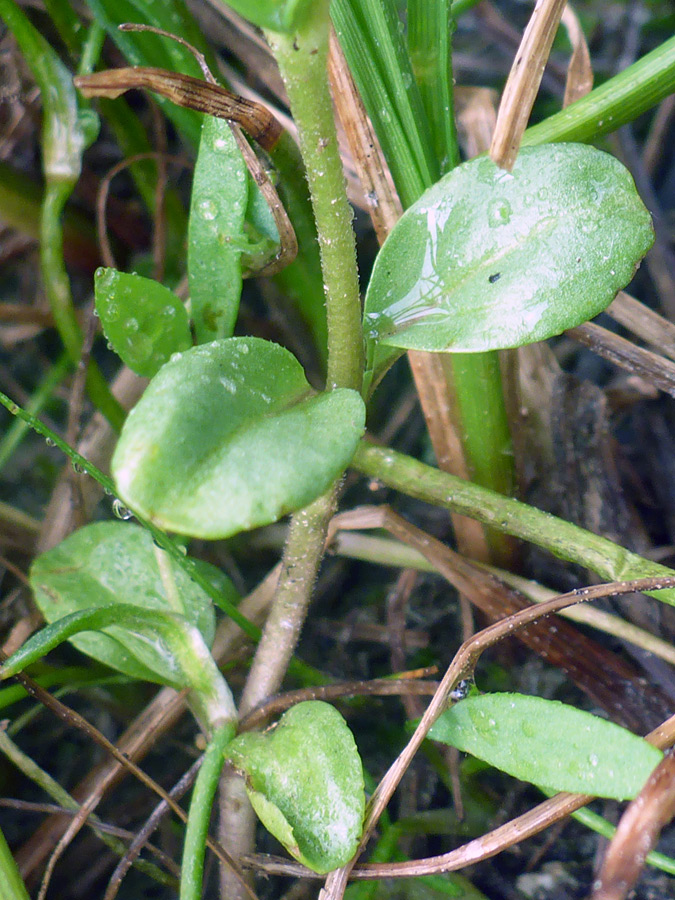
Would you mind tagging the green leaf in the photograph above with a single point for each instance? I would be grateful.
(115, 562)
(488, 259)
(278, 15)
(143, 320)
(227, 437)
(165, 646)
(216, 235)
(549, 744)
(305, 781)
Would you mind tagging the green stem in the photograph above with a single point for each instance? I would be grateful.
(11, 882)
(57, 288)
(615, 103)
(302, 60)
(563, 539)
(200, 814)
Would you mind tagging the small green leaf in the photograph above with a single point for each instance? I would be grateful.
(143, 320)
(216, 235)
(278, 15)
(488, 259)
(228, 437)
(164, 646)
(114, 562)
(305, 781)
(549, 744)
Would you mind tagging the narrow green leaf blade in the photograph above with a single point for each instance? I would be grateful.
(305, 781)
(227, 437)
(143, 320)
(107, 563)
(488, 259)
(549, 744)
(216, 235)
(63, 137)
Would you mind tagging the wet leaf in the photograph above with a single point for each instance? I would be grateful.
(305, 781)
(143, 320)
(115, 562)
(488, 259)
(216, 235)
(549, 744)
(228, 437)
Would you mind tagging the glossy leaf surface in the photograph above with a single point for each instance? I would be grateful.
(228, 437)
(278, 15)
(115, 562)
(216, 235)
(143, 320)
(488, 259)
(305, 781)
(549, 744)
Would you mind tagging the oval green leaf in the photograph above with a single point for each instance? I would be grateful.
(216, 235)
(549, 744)
(228, 437)
(143, 320)
(305, 781)
(488, 259)
(116, 562)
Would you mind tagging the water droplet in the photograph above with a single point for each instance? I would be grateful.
(499, 213)
(78, 468)
(220, 144)
(112, 312)
(208, 210)
(120, 510)
(593, 759)
(50, 442)
(131, 325)
(230, 386)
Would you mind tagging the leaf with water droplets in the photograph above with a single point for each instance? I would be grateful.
(305, 781)
(488, 259)
(143, 320)
(228, 436)
(116, 562)
(550, 744)
(216, 233)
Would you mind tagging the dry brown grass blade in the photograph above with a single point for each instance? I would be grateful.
(580, 71)
(636, 360)
(644, 323)
(637, 833)
(524, 80)
(184, 90)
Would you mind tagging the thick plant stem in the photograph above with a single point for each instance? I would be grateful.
(302, 60)
(563, 539)
(302, 555)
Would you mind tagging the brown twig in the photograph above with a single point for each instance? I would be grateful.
(637, 833)
(523, 82)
